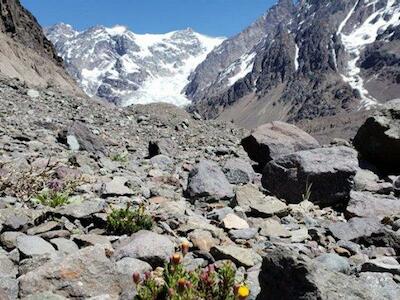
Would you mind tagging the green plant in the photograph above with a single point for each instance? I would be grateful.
(307, 194)
(174, 282)
(122, 158)
(128, 221)
(52, 198)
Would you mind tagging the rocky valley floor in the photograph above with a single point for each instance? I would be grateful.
(311, 225)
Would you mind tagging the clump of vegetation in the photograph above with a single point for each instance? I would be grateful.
(120, 157)
(174, 282)
(56, 194)
(52, 199)
(128, 220)
(38, 184)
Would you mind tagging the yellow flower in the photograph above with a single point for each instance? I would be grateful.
(185, 247)
(176, 259)
(243, 292)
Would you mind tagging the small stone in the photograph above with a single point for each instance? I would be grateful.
(240, 256)
(148, 246)
(116, 187)
(272, 228)
(34, 245)
(333, 262)
(202, 240)
(243, 234)
(64, 246)
(232, 221)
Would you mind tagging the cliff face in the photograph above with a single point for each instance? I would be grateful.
(26, 53)
(321, 59)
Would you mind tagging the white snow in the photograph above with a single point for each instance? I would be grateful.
(245, 64)
(170, 89)
(296, 58)
(362, 35)
(116, 30)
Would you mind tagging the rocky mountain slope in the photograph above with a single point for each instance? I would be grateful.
(73, 163)
(127, 68)
(316, 59)
(25, 52)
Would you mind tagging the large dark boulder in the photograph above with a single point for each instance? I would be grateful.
(272, 140)
(285, 275)
(206, 180)
(79, 137)
(326, 172)
(378, 139)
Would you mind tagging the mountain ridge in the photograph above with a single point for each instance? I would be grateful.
(128, 68)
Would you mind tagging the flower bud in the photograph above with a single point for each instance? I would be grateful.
(185, 247)
(176, 259)
(136, 277)
(182, 283)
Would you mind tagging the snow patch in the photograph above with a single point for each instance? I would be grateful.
(296, 57)
(116, 30)
(245, 64)
(366, 33)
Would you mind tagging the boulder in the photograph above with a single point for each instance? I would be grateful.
(327, 173)
(365, 204)
(153, 248)
(238, 171)
(116, 187)
(378, 139)
(207, 180)
(272, 140)
(355, 228)
(240, 256)
(333, 262)
(79, 137)
(81, 275)
(256, 204)
(285, 274)
(164, 146)
(34, 245)
(382, 264)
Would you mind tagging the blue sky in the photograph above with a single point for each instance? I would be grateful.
(212, 17)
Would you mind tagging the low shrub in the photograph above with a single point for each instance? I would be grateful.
(128, 220)
(174, 282)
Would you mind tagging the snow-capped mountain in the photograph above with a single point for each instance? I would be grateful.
(303, 60)
(127, 68)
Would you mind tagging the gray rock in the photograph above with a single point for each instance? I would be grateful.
(116, 187)
(243, 234)
(333, 262)
(45, 296)
(33, 93)
(286, 274)
(232, 221)
(366, 204)
(7, 267)
(238, 171)
(366, 180)
(164, 146)
(9, 239)
(256, 204)
(378, 139)
(202, 240)
(82, 210)
(79, 137)
(64, 246)
(272, 140)
(355, 228)
(9, 287)
(129, 265)
(272, 228)
(148, 246)
(219, 213)
(327, 172)
(86, 273)
(162, 162)
(240, 256)
(34, 245)
(382, 265)
(207, 180)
